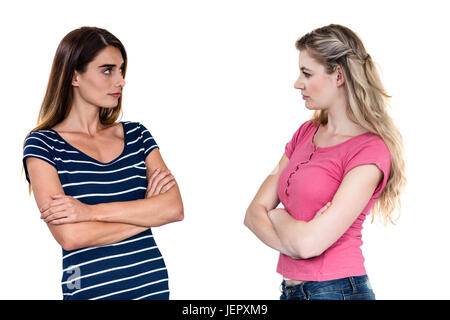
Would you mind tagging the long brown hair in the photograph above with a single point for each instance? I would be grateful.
(74, 52)
(368, 102)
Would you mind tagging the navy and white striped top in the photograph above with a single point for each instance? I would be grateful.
(132, 268)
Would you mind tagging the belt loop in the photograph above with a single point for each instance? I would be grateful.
(353, 284)
(303, 291)
(282, 287)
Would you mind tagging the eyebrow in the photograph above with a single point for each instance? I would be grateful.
(110, 65)
(304, 68)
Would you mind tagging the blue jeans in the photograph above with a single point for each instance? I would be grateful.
(351, 288)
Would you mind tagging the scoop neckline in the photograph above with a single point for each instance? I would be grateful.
(88, 156)
(316, 148)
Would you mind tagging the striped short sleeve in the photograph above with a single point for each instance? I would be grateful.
(38, 145)
(148, 141)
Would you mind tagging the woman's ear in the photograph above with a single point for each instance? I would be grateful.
(75, 80)
(339, 74)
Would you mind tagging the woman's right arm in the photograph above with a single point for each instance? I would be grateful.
(44, 183)
(266, 199)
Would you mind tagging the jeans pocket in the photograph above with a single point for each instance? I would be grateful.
(292, 293)
(363, 291)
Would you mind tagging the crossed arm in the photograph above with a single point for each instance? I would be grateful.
(300, 239)
(266, 199)
(76, 225)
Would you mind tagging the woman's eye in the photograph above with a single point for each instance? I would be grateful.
(109, 70)
(307, 75)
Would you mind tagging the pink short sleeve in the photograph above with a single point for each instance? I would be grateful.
(297, 138)
(374, 151)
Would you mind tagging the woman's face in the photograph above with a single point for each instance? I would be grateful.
(319, 89)
(102, 82)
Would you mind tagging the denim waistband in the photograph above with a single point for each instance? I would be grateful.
(308, 287)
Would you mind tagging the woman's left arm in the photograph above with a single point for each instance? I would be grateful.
(310, 239)
(154, 211)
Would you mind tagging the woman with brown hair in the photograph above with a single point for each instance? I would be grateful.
(344, 163)
(100, 184)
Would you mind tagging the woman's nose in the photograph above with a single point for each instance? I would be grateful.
(120, 81)
(299, 84)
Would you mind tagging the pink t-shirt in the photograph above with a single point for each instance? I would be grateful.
(310, 180)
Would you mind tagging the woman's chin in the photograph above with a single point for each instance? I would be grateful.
(309, 106)
(312, 107)
(109, 106)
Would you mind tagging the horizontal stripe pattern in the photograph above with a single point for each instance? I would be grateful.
(130, 269)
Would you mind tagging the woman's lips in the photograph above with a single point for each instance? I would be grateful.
(115, 95)
(305, 97)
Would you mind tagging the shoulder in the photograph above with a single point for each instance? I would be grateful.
(369, 149)
(40, 144)
(47, 134)
(306, 128)
(137, 132)
(134, 126)
(131, 126)
(133, 130)
(46, 139)
(372, 144)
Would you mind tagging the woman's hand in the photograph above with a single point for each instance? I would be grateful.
(159, 183)
(65, 209)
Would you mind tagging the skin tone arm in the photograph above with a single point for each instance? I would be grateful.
(266, 199)
(150, 212)
(45, 182)
(310, 239)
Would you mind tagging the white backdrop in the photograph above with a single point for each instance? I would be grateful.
(213, 82)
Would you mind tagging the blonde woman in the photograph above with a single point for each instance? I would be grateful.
(344, 163)
(100, 184)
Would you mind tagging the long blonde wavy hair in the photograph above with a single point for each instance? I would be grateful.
(368, 103)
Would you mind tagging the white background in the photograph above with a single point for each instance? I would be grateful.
(213, 82)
